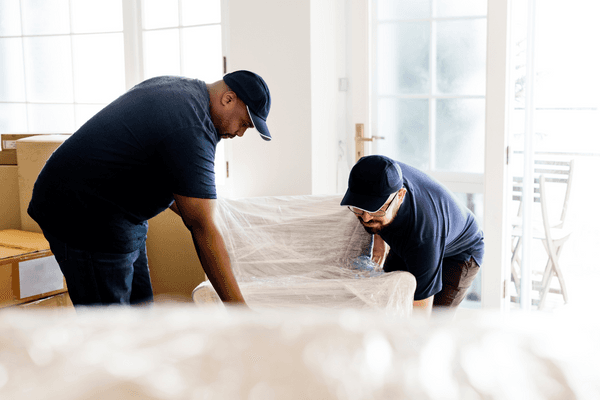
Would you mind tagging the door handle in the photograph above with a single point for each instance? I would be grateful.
(369, 139)
(360, 139)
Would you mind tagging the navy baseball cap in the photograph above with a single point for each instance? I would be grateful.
(372, 180)
(253, 91)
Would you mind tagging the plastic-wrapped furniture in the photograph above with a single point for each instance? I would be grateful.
(305, 251)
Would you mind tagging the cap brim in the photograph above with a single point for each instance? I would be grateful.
(260, 125)
(363, 201)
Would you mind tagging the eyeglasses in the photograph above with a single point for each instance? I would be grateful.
(379, 213)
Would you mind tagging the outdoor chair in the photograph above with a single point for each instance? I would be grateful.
(552, 180)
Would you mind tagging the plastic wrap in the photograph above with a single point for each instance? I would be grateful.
(305, 251)
(205, 353)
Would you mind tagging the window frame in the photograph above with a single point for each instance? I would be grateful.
(27, 101)
(132, 35)
(493, 183)
(461, 182)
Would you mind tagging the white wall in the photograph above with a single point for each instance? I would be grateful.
(298, 47)
(328, 94)
(272, 38)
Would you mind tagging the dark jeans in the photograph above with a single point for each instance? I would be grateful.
(95, 278)
(457, 277)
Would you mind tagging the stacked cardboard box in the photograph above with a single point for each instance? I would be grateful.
(10, 211)
(28, 270)
(8, 146)
(32, 153)
(10, 206)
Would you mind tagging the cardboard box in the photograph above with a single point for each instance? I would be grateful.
(175, 269)
(28, 270)
(32, 153)
(60, 302)
(8, 146)
(10, 206)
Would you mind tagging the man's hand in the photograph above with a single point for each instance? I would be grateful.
(423, 307)
(198, 216)
(380, 250)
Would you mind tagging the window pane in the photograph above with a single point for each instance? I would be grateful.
(403, 58)
(13, 118)
(10, 18)
(51, 118)
(161, 53)
(459, 142)
(201, 49)
(12, 78)
(566, 66)
(48, 69)
(403, 9)
(194, 12)
(43, 17)
(160, 13)
(460, 8)
(461, 57)
(404, 124)
(565, 130)
(96, 16)
(98, 67)
(474, 202)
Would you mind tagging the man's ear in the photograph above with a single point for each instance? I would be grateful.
(228, 98)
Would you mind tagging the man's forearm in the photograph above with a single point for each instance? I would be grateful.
(380, 250)
(214, 258)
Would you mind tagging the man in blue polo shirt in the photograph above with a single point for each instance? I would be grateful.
(150, 149)
(419, 227)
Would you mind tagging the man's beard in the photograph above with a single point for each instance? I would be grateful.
(374, 230)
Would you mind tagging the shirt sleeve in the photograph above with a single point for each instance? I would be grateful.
(189, 157)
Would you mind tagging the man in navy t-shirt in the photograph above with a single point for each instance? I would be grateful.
(419, 227)
(150, 149)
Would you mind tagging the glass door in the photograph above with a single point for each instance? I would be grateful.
(429, 93)
(554, 126)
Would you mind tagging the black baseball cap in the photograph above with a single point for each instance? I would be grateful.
(253, 91)
(372, 180)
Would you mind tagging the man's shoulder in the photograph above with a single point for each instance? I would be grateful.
(425, 186)
(168, 90)
(167, 103)
(167, 81)
(418, 177)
